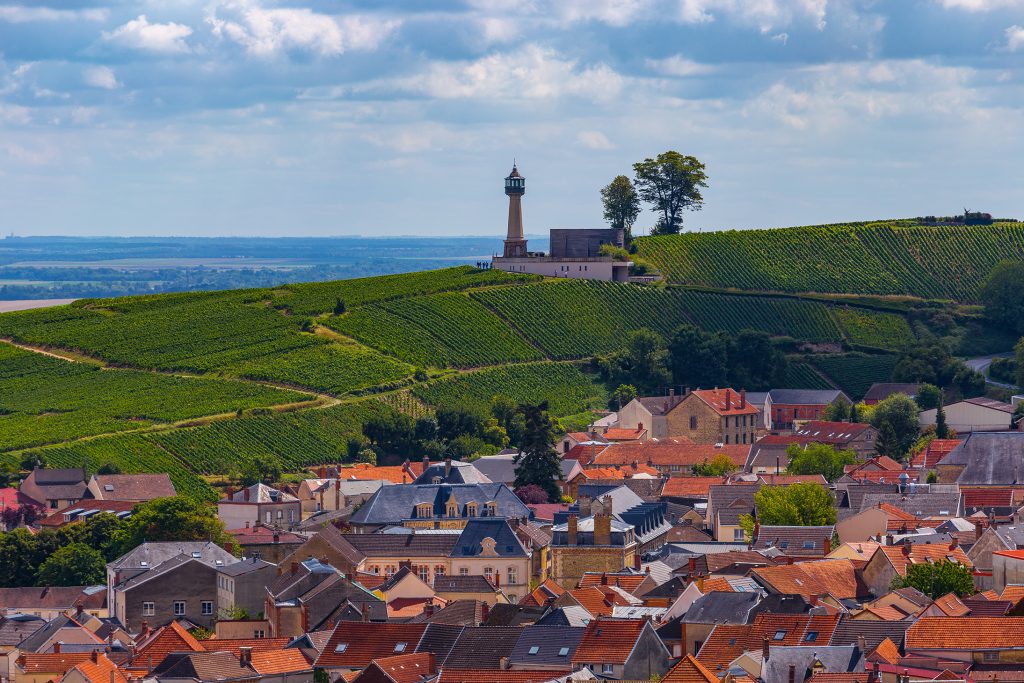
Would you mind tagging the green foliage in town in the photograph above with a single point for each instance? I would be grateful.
(818, 458)
(800, 504)
(936, 579)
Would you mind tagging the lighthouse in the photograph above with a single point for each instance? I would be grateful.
(515, 188)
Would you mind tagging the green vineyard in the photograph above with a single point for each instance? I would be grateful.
(875, 329)
(894, 257)
(800, 319)
(854, 373)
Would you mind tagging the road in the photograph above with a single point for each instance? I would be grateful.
(982, 363)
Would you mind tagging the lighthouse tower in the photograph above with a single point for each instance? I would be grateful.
(515, 188)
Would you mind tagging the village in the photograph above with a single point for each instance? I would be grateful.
(702, 536)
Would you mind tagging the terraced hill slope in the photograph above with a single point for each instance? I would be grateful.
(891, 257)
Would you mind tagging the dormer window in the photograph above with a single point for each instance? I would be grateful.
(453, 511)
(491, 509)
(436, 480)
(471, 509)
(424, 510)
(400, 647)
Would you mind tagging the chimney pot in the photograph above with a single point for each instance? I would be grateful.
(56, 648)
(95, 656)
(765, 648)
(792, 673)
(503, 663)
(245, 655)
(728, 399)
(827, 545)
(295, 567)
(906, 549)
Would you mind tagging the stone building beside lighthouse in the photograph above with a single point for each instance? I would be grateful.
(572, 253)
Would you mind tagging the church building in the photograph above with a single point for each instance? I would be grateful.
(573, 253)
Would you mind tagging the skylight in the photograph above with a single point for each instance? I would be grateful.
(811, 636)
(534, 649)
(563, 652)
(400, 647)
(108, 487)
(780, 635)
(143, 563)
(808, 545)
(340, 647)
(196, 554)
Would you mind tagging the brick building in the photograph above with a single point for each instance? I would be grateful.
(797, 405)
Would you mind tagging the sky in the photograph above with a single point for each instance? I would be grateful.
(401, 117)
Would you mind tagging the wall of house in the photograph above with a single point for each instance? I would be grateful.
(475, 566)
(862, 526)
(784, 414)
(1006, 571)
(649, 657)
(192, 582)
(878, 574)
(320, 549)
(709, 425)
(569, 563)
(235, 515)
(967, 417)
(247, 591)
(590, 269)
(271, 552)
(244, 628)
(634, 414)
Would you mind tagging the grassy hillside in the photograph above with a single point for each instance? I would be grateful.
(897, 257)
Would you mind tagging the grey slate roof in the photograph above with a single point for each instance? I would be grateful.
(454, 472)
(501, 468)
(881, 390)
(719, 607)
(393, 504)
(794, 540)
(38, 638)
(149, 555)
(855, 493)
(470, 541)
(660, 405)
(261, 493)
(545, 645)
(483, 647)
(462, 584)
(919, 504)
(14, 628)
(244, 567)
(411, 545)
(439, 639)
(805, 396)
(989, 458)
(874, 632)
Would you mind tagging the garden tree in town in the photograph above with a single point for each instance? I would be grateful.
(818, 458)
(941, 428)
(33, 460)
(171, 519)
(936, 579)
(1001, 296)
(261, 469)
(928, 396)
(77, 564)
(800, 504)
(644, 362)
(531, 494)
(623, 394)
(538, 463)
(698, 358)
(670, 183)
(718, 466)
(895, 418)
(621, 204)
(838, 410)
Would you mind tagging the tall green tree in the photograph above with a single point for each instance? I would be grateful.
(941, 428)
(838, 410)
(1002, 294)
(895, 418)
(800, 504)
(718, 466)
(171, 519)
(670, 182)
(643, 363)
(621, 204)
(538, 463)
(623, 394)
(819, 458)
(698, 358)
(936, 579)
(928, 396)
(755, 362)
(77, 564)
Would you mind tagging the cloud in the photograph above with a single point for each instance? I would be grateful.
(101, 77)
(531, 72)
(981, 5)
(1014, 38)
(139, 34)
(18, 14)
(765, 14)
(265, 32)
(594, 139)
(679, 66)
(617, 13)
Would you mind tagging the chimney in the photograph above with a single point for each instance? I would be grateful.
(245, 655)
(571, 526)
(503, 663)
(428, 608)
(365, 613)
(977, 529)
(792, 673)
(426, 463)
(813, 600)
(640, 426)
(743, 398)
(295, 567)
(636, 561)
(95, 656)
(602, 528)
(56, 648)
(873, 673)
(954, 543)
(337, 494)
(447, 468)
(229, 547)
(277, 537)
(827, 545)
(765, 648)
(692, 566)
(672, 391)
(497, 579)
(485, 611)
(757, 531)
(245, 495)
(246, 524)
(728, 406)
(889, 540)
(862, 643)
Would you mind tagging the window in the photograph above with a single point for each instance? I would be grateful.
(439, 570)
(534, 649)
(280, 514)
(991, 656)
(513, 599)
(256, 555)
(436, 480)
(563, 652)
(148, 609)
(693, 422)
(489, 573)
(512, 578)
(266, 516)
(744, 437)
(259, 633)
(808, 545)
(340, 647)
(179, 608)
(453, 510)
(424, 510)
(492, 509)
(780, 635)
(607, 668)
(726, 438)
(737, 534)
(291, 515)
(400, 647)
(471, 509)
(389, 571)
(463, 571)
(811, 636)
(424, 573)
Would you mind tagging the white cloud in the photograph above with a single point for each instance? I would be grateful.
(18, 14)
(594, 139)
(101, 77)
(981, 5)
(566, 12)
(1014, 38)
(266, 32)
(766, 14)
(679, 66)
(531, 72)
(140, 34)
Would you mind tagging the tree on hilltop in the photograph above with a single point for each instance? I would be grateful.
(621, 205)
(670, 183)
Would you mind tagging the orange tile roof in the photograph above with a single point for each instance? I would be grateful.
(921, 552)
(162, 642)
(951, 606)
(542, 593)
(411, 668)
(1015, 554)
(935, 451)
(966, 633)
(991, 595)
(396, 474)
(584, 453)
(367, 641)
(1012, 592)
(886, 651)
(690, 670)
(690, 487)
(627, 582)
(896, 513)
(887, 613)
(497, 675)
(619, 434)
(284, 660)
(608, 641)
(620, 472)
(598, 602)
(787, 479)
(725, 401)
(715, 583)
(101, 670)
(725, 643)
(839, 677)
(370, 581)
(663, 453)
(835, 577)
(49, 662)
(234, 645)
(792, 629)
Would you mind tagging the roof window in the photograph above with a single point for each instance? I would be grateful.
(808, 545)
(340, 647)
(108, 487)
(534, 649)
(780, 635)
(196, 554)
(563, 652)
(811, 636)
(400, 647)
(143, 563)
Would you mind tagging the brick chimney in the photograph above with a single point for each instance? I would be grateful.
(640, 426)
(447, 468)
(743, 398)
(365, 613)
(572, 527)
(954, 543)
(692, 566)
(766, 648)
(906, 549)
(728, 399)
(295, 567)
(56, 648)
(603, 528)
(792, 673)
(95, 656)
(245, 494)
(485, 611)
(978, 531)
(827, 546)
(503, 663)
(245, 655)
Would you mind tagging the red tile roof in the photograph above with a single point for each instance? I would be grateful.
(792, 629)
(627, 582)
(584, 453)
(1015, 554)
(617, 472)
(364, 642)
(618, 434)
(936, 451)
(921, 552)
(690, 670)
(838, 677)
(787, 479)
(60, 518)
(823, 431)
(966, 633)
(885, 652)
(598, 602)
(165, 640)
(608, 641)
(234, 645)
(284, 660)
(497, 676)
(411, 668)
(725, 643)
(548, 590)
(396, 474)
(47, 662)
(951, 605)
(545, 512)
(725, 401)
(100, 669)
(987, 497)
(260, 534)
(663, 453)
(837, 578)
(690, 487)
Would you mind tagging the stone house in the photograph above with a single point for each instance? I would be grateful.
(988, 541)
(55, 489)
(792, 406)
(713, 416)
(244, 585)
(260, 503)
(136, 488)
(317, 495)
(436, 506)
(890, 561)
(598, 543)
